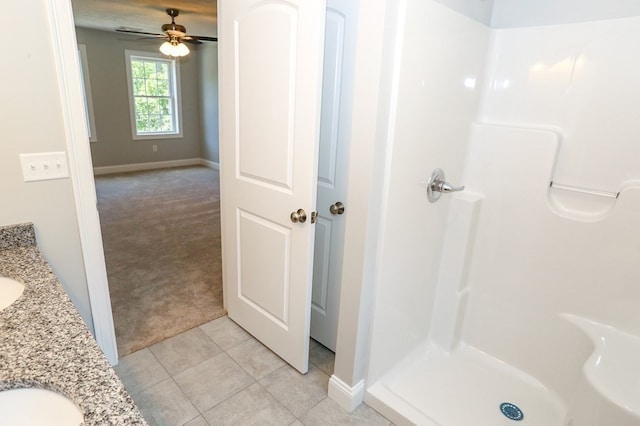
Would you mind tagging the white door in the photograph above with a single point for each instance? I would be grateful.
(270, 56)
(333, 170)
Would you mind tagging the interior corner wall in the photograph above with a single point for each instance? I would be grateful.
(115, 145)
(526, 13)
(478, 10)
(32, 122)
(208, 55)
(439, 75)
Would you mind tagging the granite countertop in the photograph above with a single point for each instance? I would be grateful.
(45, 343)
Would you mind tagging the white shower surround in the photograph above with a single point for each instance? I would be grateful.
(522, 282)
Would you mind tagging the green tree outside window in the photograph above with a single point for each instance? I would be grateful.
(152, 96)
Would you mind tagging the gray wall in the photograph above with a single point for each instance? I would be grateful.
(209, 101)
(115, 145)
(32, 122)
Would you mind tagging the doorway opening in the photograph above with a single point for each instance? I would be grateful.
(336, 199)
(161, 237)
(160, 227)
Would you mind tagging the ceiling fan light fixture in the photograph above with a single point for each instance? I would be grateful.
(174, 48)
(182, 49)
(174, 34)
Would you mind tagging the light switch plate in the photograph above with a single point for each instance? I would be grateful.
(44, 166)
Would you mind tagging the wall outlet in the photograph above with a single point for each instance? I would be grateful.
(44, 166)
(155, 148)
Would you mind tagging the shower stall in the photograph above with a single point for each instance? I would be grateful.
(517, 299)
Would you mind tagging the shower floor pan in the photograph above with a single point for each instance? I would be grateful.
(466, 387)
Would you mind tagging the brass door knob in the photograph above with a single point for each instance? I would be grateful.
(337, 208)
(299, 216)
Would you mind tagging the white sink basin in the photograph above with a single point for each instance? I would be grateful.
(32, 406)
(10, 290)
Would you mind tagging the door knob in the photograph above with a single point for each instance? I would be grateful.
(337, 208)
(299, 216)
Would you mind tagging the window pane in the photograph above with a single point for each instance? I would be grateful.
(141, 106)
(152, 88)
(137, 69)
(162, 70)
(149, 69)
(154, 106)
(164, 106)
(139, 87)
(166, 123)
(155, 122)
(141, 124)
(163, 87)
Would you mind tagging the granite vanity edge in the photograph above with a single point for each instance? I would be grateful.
(44, 342)
(14, 236)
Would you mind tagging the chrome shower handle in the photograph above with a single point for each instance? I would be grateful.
(446, 187)
(437, 185)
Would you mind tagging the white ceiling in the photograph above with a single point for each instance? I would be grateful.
(199, 16)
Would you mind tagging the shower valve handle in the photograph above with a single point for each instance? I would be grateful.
(446, 187)
(437, 186)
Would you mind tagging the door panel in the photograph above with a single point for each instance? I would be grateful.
(321, 272)
(331, 89)
(332, 170)
(270, 56)
(266, 37)
(258, 236)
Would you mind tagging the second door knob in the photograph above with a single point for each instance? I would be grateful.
(337, 208)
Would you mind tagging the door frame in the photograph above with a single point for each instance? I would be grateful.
(65, 52)
(377, 45)
(371, 100)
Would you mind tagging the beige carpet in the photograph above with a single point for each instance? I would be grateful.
(161, 234)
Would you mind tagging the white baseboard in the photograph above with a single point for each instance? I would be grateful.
(346, 396)
(210, 164)
(147, 166)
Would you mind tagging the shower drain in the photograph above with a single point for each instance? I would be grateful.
(511, 411)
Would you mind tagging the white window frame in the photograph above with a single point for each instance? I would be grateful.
(86, 93)
(175, 83)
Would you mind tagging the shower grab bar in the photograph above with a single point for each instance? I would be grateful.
(606, 194)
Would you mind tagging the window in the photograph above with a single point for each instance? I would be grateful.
(86, 92)
(154, 95)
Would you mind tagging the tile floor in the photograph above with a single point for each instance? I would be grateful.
(217, 374)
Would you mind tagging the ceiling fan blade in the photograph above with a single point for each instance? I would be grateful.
(124, 30)
(190, 40)
(203, 38)
(152, 38)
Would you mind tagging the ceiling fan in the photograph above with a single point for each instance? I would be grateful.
(175, 35)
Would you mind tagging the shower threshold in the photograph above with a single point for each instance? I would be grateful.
(465, 387)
